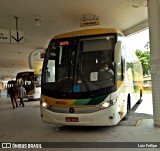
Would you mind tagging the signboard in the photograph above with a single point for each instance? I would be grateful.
(89, 20)
(4, 36)
(17, 36)
(13, 36)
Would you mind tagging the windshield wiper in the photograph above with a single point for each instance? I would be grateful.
(84, 82)
(67, 71)
(76, 69)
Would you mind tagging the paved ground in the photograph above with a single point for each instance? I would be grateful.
(25, 125)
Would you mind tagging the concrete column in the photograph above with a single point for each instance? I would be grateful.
(154, 31)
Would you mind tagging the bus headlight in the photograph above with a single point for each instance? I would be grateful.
(44, 104)
(105, 104)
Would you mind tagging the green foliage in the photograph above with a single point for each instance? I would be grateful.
(144, 58)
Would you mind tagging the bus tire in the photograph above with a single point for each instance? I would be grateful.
(128, 107)
(140, 98)
(128, 102)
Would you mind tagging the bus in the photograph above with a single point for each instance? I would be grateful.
(11, 83)
(31, 82)
(87, 79)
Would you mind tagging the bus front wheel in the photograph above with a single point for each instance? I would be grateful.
(128, 107)
(140, 99)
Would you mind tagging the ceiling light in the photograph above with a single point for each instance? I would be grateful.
(37, 22)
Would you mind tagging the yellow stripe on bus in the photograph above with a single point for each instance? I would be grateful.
(119, 83)
(58, 102)
(31, 92)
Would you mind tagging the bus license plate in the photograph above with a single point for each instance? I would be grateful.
(72, 119)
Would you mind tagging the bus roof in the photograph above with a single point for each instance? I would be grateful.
(25, 73)
(94, 31)
(11, 82)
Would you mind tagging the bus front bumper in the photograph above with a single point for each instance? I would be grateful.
(105, 117)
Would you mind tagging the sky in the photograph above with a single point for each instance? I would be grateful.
(138, 40)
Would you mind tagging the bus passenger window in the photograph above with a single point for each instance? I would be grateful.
(120, 71)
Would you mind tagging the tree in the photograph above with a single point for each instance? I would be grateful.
(144, 58)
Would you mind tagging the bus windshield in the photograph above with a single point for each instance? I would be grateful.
(80, 65)
(26, 79)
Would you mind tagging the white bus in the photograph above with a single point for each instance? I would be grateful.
(31, 82)
(87, 80)
(10, 83)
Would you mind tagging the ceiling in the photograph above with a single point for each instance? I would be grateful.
(57, 16)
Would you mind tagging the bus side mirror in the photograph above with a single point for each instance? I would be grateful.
(32, 55)
(117, 52)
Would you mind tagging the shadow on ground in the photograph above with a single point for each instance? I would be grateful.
(133, 117)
